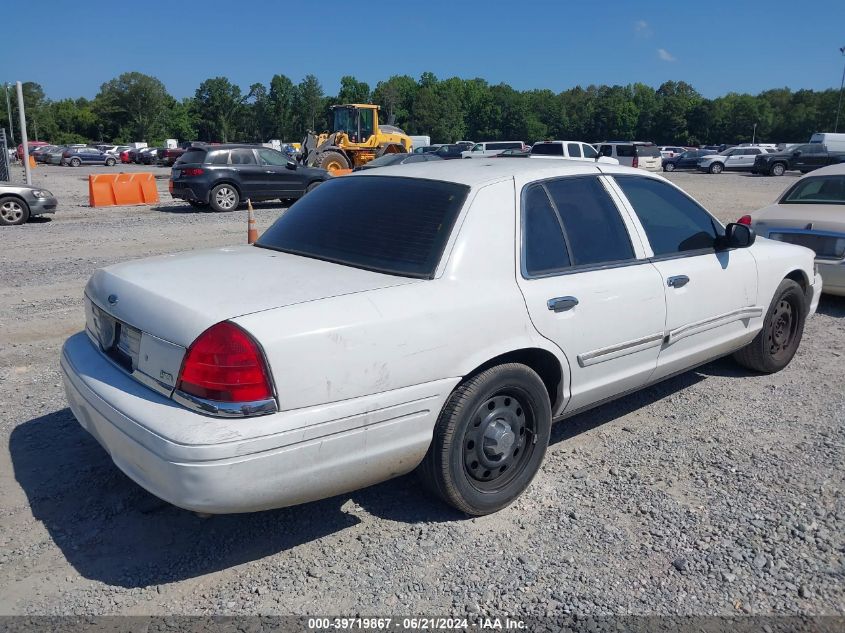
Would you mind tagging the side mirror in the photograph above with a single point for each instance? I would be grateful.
(736, 236)
(291, 165)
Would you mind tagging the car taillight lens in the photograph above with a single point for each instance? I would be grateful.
(746, 220)
(192, 171)
(636, 162)
(225, 364)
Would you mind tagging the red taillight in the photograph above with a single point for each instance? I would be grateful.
(746, 220)
(226, 365)
(192, 171)
(636, 162)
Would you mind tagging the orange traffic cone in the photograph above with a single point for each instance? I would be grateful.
(252, 230)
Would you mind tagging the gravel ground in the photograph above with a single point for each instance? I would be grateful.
(717, 492)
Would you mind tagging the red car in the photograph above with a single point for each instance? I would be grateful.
(124, 156)
(32, 145)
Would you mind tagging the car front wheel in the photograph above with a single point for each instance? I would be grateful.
(669, 167)
(777, 169)
(783, 326)
(489, 440)
(13, 211)
(224, 198)
(716, 168)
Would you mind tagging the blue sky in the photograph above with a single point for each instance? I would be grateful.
(718, 47)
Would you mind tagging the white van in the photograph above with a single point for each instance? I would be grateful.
(633, 154)
(833, 142)
(492, 148)
(568, 150)
(419, 141)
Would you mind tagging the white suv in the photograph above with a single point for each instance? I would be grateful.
(569, 150)
(732, 159)
(633, 154)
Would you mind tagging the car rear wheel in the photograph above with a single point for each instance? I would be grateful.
(224, 198)
(13, 211)
(75, 162)
(783, 326)
(110, 162)
(778, 169)
(669, 167)
(716, 168)
(489, 440)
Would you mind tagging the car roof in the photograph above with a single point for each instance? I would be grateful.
(830, 170)
(478, 172)
(208, 148)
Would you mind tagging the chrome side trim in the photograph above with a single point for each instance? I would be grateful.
(620, 349)
(713, 322)
(225, 409)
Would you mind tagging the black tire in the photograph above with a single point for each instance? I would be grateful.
(500, 416)
(716, 168)
(778, 169)
(313, 186)
(197, 204)
(224, 198)
(13, 211)
(669, 167)
(110, 162)
(75, 162)
(331, 161)
(783, 326)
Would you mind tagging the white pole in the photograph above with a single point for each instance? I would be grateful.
(9, 110)
(23, 135)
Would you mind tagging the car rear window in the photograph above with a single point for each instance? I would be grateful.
(647, 151)
(192, 156)
(817, 190)
(547, 149)
(398, 226)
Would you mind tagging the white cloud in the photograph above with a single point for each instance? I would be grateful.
(665, 55)
(642, 29)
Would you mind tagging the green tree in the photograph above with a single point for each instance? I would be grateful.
(282, 109)
(219, 104)
(133, 106)
(308, 103)
(353, 91)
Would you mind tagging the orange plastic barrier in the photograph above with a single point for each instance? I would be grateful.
(31, 162)
(341, 172)
(109, 190)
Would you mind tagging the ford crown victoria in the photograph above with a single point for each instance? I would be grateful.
(436, 316)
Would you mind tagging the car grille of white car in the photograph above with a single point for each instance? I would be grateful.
(119, 341)
(826, 246)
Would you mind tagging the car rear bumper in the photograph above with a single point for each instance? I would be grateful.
(184, 192)
(833, 277)
(220, 465)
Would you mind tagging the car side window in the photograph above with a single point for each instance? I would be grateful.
(673, 222)
(625, 150)
(574, 150)
(543, 245)
(243, 157)
(589, 151)
(218, 158)
(272, 158)
(753, 151)
(594, 229)
(607, 150)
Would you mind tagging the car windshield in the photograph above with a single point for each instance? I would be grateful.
(392, 225)
(387, 159)
(817, 190)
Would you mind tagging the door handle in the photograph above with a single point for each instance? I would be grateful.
(677, 281)
(562, 304)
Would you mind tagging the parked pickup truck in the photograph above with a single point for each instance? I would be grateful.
(168, 156)
(803, 158)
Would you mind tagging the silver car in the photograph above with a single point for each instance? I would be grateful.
(20, 202)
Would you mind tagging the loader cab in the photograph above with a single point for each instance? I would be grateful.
(358, 122)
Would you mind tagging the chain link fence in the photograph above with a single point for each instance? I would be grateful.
(5, 173)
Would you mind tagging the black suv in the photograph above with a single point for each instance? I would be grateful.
(223, 176)
(804, 158)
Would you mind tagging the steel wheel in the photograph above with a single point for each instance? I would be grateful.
(13, 211)
(782, 329)
(498, 444)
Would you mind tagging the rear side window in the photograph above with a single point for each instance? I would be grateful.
(574, 150)
(625, 150)
(386, 224)
(647, 151)
(607, 150)
(673, 222)
(547, 149)
(589, 151)
(243, 157)
(544, 247)
(594, 229)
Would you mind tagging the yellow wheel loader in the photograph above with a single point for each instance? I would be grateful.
(356, 139)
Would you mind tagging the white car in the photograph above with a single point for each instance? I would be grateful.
(486, 149)
(568, 150)
(811, 212)
(434, 316)
(633, 154)
(732, 159)
(670, 151)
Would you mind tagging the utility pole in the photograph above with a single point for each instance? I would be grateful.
(9, 110)
(754, 134)
(841, 84)
(26, 169)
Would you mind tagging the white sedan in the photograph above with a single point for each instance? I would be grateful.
(436, 317)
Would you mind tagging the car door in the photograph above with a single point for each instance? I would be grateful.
(711, 296)
(279, 180)
(733, 159)
(588, 286)
(253, 180)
